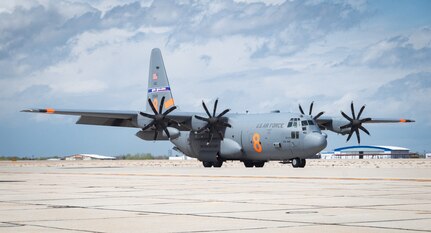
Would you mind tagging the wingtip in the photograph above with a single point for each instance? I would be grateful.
(40, 110)
(406, 120)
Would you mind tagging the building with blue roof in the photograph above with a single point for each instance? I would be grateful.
(371, 152)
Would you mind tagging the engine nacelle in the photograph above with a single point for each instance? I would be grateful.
(143, 121)
(149, 135)
(197, 124)
(183, 143)
(230, 149)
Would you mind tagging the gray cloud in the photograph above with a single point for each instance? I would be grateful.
(37, 37)
(408, 96)
(413, 51)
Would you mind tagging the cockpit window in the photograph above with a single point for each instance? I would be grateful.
(304, 123)
(294, 122)
(310, 122)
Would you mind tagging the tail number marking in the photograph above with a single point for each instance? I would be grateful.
(256, 143)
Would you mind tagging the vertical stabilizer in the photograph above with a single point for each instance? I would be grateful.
(158, 83)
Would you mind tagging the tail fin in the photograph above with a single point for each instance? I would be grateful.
(158, 83)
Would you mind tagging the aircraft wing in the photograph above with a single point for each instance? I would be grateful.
(343, 126)
(111, 117)
(91, 117)
(328, 120)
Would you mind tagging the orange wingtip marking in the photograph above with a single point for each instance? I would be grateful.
(403, 120)
(50, 110)
(169, 103)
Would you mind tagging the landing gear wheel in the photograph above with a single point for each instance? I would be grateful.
(218, 164)
(296, 162)
(248, 164)
(303, 162)
(207, 164)
(259, 164)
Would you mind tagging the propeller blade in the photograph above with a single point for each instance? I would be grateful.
(169, 110)
(345, 116)
(155, 134)
(149, 125)
(220, 134)
(311, 108)
(202, 118)
(206, 109)
(364, 129)
(215, 108)
(167, 132)
(152, 106)
(353, 110)
(350, 135)
(300, 109)
(227, 125)
(222, 113)
(360, 111)
(346, 126)
(357, 135)
(161, 104)
(211, 135)
(318, 115)
(146, 115)
(365, 120)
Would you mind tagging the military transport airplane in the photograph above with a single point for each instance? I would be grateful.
(214, 137)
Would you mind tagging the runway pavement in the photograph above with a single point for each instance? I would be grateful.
(182, 196)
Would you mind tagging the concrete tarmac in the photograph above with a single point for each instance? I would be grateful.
(166, 196)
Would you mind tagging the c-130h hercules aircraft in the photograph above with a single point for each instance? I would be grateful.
(217, 136)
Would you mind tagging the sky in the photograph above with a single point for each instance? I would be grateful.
(254, 56)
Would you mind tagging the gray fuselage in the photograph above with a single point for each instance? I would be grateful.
(257, 137)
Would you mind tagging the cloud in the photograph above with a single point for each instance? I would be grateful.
(408, 97)
(413, 51)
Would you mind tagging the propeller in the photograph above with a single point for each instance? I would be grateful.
(160, 120)
(215, 123)
(355, 123)
(311, 111)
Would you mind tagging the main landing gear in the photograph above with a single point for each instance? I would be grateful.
(212, 164)
(297, 162)
(254, 163)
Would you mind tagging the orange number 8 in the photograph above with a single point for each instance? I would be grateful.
(256, 143)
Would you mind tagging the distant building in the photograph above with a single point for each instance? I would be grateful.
(428, 155)
(88, 157)
(371, 152)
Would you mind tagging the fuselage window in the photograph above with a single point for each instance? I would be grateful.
(294, 134)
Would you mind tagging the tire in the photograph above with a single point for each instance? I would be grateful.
(207, 164)
(296, 162)
(259, 164)
(303, 162)
(248, 164)
(218, 164)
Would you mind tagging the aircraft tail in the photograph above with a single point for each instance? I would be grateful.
(158, 83)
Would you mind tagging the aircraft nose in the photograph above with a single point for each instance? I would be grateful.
(315, 142)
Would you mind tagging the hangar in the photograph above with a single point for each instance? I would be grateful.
(89, 157)
(371, 152)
